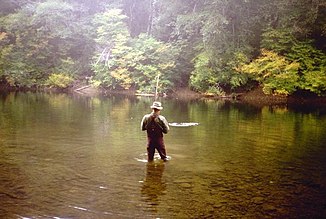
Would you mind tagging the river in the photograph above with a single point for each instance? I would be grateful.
(69, 156)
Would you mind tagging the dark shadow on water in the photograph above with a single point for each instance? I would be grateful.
(153, 186)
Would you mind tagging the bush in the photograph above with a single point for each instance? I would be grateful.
(59, 80)
(274, 72)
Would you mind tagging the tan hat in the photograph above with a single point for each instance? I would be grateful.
(157, 105)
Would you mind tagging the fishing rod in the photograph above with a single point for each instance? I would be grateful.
(156, 87)
(175, 124)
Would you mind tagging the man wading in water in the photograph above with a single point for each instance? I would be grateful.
(156, 125)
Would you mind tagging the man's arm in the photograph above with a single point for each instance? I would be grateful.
(143, 123)
(164, 124)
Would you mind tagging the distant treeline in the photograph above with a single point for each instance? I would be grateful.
(211, 46)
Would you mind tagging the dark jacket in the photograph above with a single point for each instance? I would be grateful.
(155, 125)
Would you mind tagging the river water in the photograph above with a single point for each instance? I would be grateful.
(67, 156)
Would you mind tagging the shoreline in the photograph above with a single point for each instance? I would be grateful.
(253, 97)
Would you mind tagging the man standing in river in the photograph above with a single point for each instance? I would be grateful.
(155, 125)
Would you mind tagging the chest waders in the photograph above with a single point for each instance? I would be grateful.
(155, 139)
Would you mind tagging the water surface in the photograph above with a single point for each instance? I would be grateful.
(66, 156)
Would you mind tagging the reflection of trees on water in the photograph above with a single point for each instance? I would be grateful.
(153, 186)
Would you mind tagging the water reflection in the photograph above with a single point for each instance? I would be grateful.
(154, 185)
(75, 157)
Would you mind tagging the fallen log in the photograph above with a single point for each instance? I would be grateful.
(82, 88)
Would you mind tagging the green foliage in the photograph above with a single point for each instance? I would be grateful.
(41, 38)
(112, 38)
(52, 17)
(204, 44)
(111, 27)
(315, 81)
(203, 77)
(312, 67)
(312, 61)
(278, 40)
(140, 15)
(224, 39)
(210, 75)
(59, 80)
(150, 59)
(274, 72)
(125, 61)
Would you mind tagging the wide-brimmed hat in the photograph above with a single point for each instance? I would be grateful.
(157, 105)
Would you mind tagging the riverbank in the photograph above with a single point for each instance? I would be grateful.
(253, 97)
(258, 98)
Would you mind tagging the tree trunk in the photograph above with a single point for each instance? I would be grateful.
(150, 18)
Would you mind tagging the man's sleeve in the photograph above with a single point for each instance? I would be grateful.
(143, 124)
(165, 125)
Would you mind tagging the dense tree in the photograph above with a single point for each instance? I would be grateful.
(240, 29)
(125, 62)
(41, 39)
(277, 75)
(112, 39)
(221, 40)
(213, 46)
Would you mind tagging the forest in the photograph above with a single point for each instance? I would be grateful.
(209, 46)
